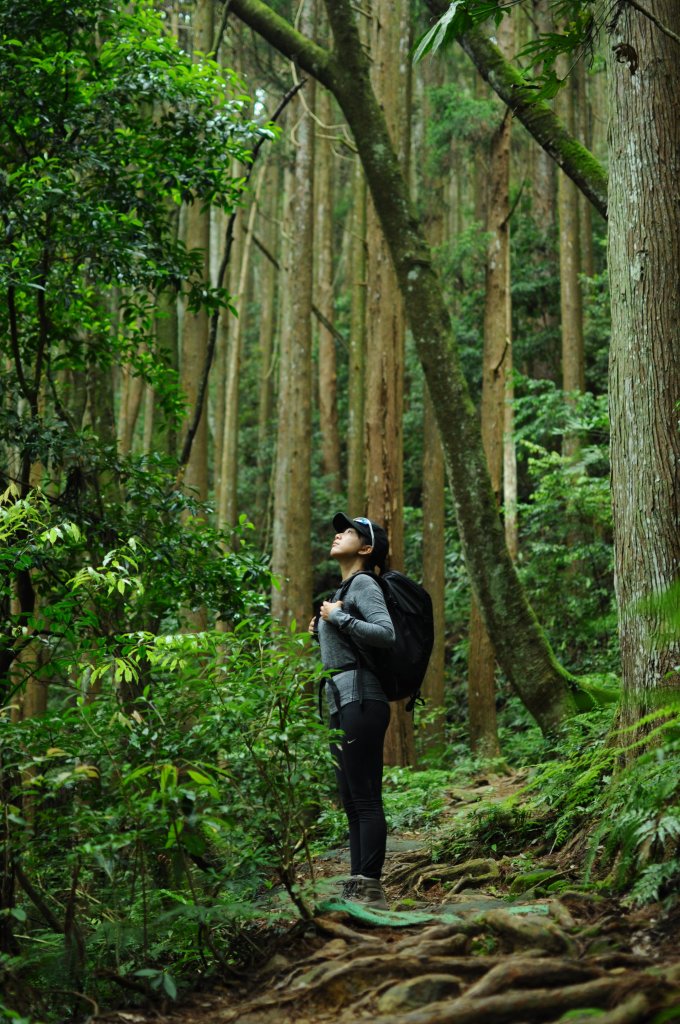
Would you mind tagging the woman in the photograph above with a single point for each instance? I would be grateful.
(351, 630)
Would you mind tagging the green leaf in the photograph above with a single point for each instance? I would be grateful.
(435, 36)
(169, 986)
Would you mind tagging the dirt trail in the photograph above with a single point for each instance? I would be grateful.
(467, 944)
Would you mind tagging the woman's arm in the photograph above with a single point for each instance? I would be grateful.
(372, 626)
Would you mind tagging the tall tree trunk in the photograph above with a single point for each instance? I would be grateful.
(433, 200)
(167, 341)
(644, 384)
(356, 477)
(131, 393)
(267, 321)
(482, 722)
(383, 409)
(583, 119)
(227, 515)
(328, 406)
(291, 553)
(434, 551)
(196, 325)
(571, 304)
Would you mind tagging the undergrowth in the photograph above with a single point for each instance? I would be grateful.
(610, 795)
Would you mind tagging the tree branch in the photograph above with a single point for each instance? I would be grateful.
(286, 39)
(14, 341)
(652, 17)
(577, 162)
(36, 899)
(539, 119)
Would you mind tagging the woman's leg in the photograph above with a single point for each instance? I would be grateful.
(359, 766)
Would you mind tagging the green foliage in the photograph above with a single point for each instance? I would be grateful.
(460, 16)
(493, 829)
(565, 523)
(616, 790)
(579, 30)
(460, 115)
(172, 782)
(639, 836)
(108, 128)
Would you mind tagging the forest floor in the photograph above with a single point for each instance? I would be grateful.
(484, 941)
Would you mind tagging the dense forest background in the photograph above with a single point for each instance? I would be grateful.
(265, 262)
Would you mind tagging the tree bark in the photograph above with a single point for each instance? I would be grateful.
(432, 191)
(291, 554)
(383, 409)
(571, 305)
(227, 514)
(266, 291)
(328, 406)
(548, 691)
(644, 382)
(434, 551)
(483, 727)
(196, 325)
(356, 476)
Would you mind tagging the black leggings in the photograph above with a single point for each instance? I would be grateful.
(358, 770)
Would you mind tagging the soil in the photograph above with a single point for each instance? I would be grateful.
(479, 942)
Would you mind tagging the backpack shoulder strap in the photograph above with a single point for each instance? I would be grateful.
(348, 583)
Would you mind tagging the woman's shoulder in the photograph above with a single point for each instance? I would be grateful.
(365, 583)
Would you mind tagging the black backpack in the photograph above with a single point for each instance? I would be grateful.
(401, 669)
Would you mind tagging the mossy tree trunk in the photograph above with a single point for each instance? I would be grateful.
(547, 689)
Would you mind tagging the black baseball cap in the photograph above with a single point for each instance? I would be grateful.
(374, 533)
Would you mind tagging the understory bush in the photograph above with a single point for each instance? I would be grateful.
(170, 785)
(610, 794)
(143, 830)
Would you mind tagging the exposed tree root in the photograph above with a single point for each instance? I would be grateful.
(545, 1004)
(527, 973)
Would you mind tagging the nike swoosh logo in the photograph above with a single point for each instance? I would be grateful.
(351, 741)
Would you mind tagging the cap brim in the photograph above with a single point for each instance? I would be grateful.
(342, 522)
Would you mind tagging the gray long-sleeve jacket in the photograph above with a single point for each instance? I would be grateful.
(363, 622)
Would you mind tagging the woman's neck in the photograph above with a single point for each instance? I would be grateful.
(349, 568)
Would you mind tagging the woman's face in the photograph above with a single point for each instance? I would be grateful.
(349, 542)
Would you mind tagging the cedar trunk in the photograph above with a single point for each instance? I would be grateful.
(481, 660)
(291, 551)
(644, 263)
(383, 408)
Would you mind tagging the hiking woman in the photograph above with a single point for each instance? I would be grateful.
(352, 628)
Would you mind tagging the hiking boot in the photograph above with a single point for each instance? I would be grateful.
(368, 892)
(349, 888)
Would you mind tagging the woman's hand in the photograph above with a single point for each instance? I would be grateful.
(327, 607)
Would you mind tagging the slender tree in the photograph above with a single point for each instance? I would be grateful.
(195, 322)
(495, 363)
(356, 456)
(291, 551)
(328, 405)
(383, 408)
